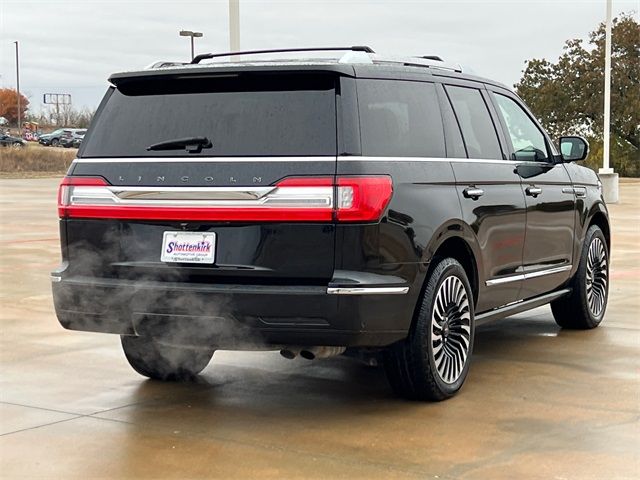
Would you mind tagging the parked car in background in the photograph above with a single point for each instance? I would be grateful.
(72, 137)
(9, 141)
(51, 139)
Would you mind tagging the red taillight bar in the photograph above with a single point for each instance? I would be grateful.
(63, 190)
(200, 214)
(293, 199)
(370, 195)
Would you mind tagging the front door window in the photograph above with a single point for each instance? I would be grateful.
(526, 138)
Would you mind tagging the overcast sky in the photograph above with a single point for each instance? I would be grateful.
(73, 46)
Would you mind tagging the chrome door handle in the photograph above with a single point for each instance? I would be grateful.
(579, 192)
(473, 192)
(533, 191)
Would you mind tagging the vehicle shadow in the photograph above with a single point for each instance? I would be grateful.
(264, 384)
(332, 407)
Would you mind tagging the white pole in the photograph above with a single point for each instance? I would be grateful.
(609, 179)
(18, 89)
(234, 26)
(607, 93)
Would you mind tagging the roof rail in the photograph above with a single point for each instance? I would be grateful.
(164, 64)
(427, 61)
(357, 48)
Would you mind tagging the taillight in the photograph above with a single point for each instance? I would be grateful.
(68, 188)
(294, 199)
(362, 199)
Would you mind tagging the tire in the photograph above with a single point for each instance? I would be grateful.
(163, 362)
(55, 142)
(420, 368)
(17, 145)
(585, 307)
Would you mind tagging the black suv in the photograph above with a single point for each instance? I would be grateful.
(365, 205)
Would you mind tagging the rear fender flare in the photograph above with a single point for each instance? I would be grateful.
(454, 228)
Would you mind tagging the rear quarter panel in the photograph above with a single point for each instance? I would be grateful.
(401, 244)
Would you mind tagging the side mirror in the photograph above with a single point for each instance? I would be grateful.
(573, 149)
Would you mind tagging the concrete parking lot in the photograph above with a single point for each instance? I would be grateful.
(539, 402)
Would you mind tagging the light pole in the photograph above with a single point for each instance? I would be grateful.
(18, 89)
(607, 176)
(189, 33)
(234, 25)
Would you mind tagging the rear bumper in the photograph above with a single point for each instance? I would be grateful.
(236, 316)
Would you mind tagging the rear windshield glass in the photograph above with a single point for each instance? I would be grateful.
(242, 115)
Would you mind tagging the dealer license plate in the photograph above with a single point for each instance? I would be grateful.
(188, 247)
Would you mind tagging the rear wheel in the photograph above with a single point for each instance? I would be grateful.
(584, 308)
(433, 362)
(163, 362)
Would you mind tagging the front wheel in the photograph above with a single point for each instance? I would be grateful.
(584, 307)
(164, 362)
(433, 362)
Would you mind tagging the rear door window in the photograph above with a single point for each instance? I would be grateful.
(241, 114)
(475, 122)
(399, 119)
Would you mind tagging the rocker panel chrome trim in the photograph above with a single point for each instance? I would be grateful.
(527, 276)
(367, 290)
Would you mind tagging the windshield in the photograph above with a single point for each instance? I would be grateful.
(241, 114)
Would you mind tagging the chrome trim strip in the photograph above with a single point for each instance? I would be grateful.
(203, 159)
(549, 271)
(190, 193)
(501, 280)
(345, 158)
(436, 159)
(367, 290)
(527, 276)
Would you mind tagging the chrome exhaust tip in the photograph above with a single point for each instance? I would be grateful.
(321, 352)
(308, 354)
(289, 354)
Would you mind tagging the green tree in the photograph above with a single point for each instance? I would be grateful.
(568, 95)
